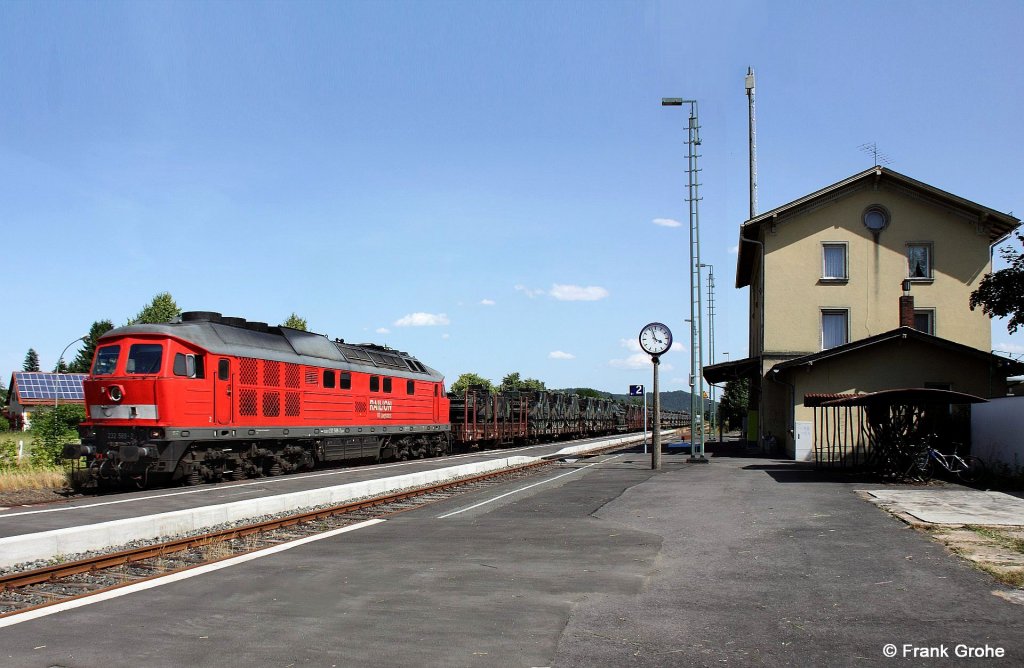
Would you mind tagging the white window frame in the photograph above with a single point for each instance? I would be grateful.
(930, 312)
(930, 249)
(845, 312)
(825, 278)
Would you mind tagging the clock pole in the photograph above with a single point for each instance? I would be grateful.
(656, 422)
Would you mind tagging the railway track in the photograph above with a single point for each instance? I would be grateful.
(24, 591)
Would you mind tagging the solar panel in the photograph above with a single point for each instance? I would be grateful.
(38, 385)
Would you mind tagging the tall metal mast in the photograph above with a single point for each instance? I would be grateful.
(696, 300)
(749, 82)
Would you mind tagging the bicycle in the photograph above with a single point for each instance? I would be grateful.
(968, 468)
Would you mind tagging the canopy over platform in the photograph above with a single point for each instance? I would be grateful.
(906, 397)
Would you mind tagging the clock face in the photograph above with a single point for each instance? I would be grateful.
(655, 338)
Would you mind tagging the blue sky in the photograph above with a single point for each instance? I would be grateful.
(473, 182)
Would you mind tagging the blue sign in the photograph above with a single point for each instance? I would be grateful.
(636, 390)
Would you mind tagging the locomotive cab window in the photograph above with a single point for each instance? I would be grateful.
(189, 366)
(345, 381)
(328, 379)
(387, 384)
(410, 387)
(144, 358)
(375, 383)
(223, 369)
(106, 360)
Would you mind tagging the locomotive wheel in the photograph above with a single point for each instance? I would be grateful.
(238, 473)
(274, 469)
(193, 478)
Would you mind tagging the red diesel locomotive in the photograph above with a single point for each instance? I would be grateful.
(212, 397)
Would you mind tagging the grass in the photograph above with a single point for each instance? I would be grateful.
(1009, 542)
(18, 476)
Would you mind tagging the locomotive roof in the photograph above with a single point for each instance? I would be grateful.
(284, 344)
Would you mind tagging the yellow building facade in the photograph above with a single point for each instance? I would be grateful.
(829, 270)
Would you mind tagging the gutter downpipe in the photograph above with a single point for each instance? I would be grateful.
(760, 354)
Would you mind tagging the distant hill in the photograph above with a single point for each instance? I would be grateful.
(677, 400)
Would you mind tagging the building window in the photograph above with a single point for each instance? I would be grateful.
(919, 261)
(924, 320)
(834, 328)
(833, 264)
(876, 218)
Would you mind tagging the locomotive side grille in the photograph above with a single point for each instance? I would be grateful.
(271, 373)
(291, 375)
(271, 404)
(291, 404)
(313, 377)
(247, 402)
(247, 371)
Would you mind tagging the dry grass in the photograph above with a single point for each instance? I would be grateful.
(23, 478)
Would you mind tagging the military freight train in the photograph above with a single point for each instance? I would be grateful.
(208, 398)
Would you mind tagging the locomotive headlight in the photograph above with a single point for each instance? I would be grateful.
(115, 393)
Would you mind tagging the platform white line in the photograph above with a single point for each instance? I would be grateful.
(521, 489)
(175, 577)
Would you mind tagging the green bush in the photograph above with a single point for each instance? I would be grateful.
(51, 429)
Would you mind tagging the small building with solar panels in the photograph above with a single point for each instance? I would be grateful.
(32, 389)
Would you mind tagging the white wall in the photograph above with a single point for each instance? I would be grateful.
(997, 432)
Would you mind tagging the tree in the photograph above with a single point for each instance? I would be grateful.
(61, 367)
(514, 383)
(467, 379)
(590, 392)
(162, 309)
(1001, 293)
(733, 407)
(295, 322)
(83, 361)
(31, 362)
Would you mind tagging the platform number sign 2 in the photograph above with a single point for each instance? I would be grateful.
(636, 390)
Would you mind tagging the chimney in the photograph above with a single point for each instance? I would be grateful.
(906, 306)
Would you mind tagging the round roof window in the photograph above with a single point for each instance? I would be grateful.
(876, 218)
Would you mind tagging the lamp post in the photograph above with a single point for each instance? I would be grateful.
(56, 387)
(696, 332)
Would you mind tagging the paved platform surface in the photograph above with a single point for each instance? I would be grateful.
(954, 505)
(603, 562)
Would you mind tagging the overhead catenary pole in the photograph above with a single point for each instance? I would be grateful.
(696, 298)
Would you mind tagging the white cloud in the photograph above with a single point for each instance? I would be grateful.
(637, 361)
(383, 330)
(529, 292)
(733, 250)
(446, 336)
(631, 344)
(667, 222)
(559, 355)
(420, 319)
(487, 302)
(576, 293)
(1009, 348)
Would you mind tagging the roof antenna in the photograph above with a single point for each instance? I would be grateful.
(871, 148)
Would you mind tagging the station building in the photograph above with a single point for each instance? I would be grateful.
(859, 287)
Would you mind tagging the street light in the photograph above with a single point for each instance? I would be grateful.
(56, 386)
(696, 332)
